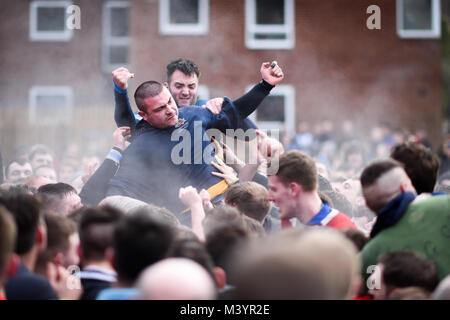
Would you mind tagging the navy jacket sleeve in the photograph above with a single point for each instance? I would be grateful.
(96, 187)
(234, 112)
(123, 114)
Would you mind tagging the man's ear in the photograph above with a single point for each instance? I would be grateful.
(221, 277)
(294, 188)
(40, 236)
(142, 114)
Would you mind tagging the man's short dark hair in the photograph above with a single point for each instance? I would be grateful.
(184, 65)
(376, 169)
(24, 208)
(420, 163)
(296, 166)
(407, 268)
(96, 230)
(60, 189)
(139, 241)
(146, 90)
(8, 235)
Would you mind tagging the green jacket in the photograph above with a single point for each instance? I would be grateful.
(425, 228)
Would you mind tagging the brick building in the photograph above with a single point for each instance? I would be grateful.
(56, 82)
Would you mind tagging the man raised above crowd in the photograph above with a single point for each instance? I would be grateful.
(182, 81)
(156, 164)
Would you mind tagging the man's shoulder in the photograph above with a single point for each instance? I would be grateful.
(28, 286)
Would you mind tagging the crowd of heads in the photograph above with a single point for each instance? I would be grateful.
(259, 242)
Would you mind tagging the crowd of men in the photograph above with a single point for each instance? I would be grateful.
(322, 214)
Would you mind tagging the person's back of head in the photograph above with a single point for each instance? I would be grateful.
(139, 241)
(59, 198)
(194, 250)
(358, 238)
(24, 208)
(158, 212)
(285, 267)
(8, 233)
(176, 279)
(250, 198)
(420, 163)
(96, 228)
(225, 231)
(123, 203)
(382, 181)
(407, 268)
(59, 231)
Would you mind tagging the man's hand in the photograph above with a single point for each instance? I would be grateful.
(121, 76)
(121, 136)
(214, 105)
(189, 196)
(226, 172)
(271, 73)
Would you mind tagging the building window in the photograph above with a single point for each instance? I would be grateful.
(48, 21)
(183, 17)
(277, 111)
(202, 92)
(115, 35)
(419, 18)
(50, 105)
(269, 24)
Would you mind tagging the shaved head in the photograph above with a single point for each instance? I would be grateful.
(383, 181)
(176, 279)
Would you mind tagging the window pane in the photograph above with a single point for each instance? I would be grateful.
(271, 109)
(118, 54)
(271, 36)
(51, 106)
(51, 19)
(416, 14)
(269, 12)
(184, 11)
(119, 22)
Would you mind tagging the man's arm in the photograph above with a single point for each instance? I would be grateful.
(96, 187)
(234, 112)
(123, 114)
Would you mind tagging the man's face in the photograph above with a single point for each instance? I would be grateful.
(42, 159)
(282, 197)
(183, 88)
(48, 173)
(160, 111)
(17, 173)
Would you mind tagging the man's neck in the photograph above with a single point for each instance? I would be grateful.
(308, 206)
(98, 263)
(29, 258)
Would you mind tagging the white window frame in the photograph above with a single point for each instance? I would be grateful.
(51, 36)
(167, 28)
(252, 28)
(33, 114)
(288, 92)
(433, 33)
(107, 39)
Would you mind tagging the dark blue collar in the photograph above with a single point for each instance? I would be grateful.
(392, 212)
(324, 211)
